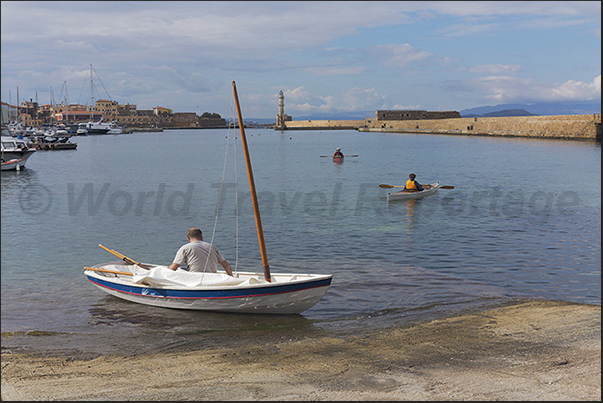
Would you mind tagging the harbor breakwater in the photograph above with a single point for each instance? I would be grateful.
(572, 127)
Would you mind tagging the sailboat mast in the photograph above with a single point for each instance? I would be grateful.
(91, 90)
(66, 114)
(254, 197)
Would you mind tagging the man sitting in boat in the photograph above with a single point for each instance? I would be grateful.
(338, 153)
(412, 185)
(199, 256)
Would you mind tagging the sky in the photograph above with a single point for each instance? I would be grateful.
(327, 57)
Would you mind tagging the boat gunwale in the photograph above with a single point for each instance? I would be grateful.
(412, 195)
(219, 292)
(125, 280)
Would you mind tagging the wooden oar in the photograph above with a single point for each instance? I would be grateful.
(124, 257)
(109, 271)
(355, 155)
(394, 186)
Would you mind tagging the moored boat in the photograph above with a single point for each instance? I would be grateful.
(11, 165)
(15, 153)
(115, 128)
(247, 292)
(99, 127)
(91, 127)
(244, 292)
(19, 129)
(405, 194)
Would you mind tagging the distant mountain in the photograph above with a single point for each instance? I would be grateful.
(543, 108)
(260, 121)
(359, 115)
(504, 113)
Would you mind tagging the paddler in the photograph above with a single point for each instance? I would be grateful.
(412, 185)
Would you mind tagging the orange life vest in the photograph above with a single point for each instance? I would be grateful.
(410, 185)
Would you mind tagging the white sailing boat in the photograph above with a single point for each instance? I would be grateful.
(98, 127)
(246, 292)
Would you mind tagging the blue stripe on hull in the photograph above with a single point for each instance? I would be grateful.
(208, 294)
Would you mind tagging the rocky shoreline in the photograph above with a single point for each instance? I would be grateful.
(534, 350)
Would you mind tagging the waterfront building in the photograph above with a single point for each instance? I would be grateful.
(160, 110)
(108, 108)
(78, 116)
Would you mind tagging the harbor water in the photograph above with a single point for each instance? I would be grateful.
(523, 221)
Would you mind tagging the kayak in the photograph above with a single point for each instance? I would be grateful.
(406, 195)
(338, 160)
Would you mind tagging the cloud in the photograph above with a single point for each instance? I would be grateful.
(510, 8)
(335, 71)
(508, 89)
(332, 55)
(394, 55)
(356, 99)
(353, 99)
(406, 107)
(467, 30)
(73, 46)
(495, 69)
(298, 93)
(576, 90)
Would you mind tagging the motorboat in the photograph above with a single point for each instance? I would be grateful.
(92, 127)
(15, 153)
(19, 129)
(11, 165)
(99, 127)
(115, 129)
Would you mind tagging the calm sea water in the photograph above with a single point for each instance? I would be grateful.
(524, 221)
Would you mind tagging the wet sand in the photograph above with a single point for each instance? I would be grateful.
(535, 350)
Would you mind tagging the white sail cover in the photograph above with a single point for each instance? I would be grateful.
(161, 276)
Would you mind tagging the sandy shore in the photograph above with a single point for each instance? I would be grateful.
(537, 350)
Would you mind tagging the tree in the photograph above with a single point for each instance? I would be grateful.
(207, 115)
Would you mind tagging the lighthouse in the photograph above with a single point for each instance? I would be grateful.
(280, 123)
(281, 118)
(281, 103)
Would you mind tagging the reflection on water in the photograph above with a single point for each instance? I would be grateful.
(411, 212)
(112, 311)
(169, 330)
(17, 179)
(406, 209)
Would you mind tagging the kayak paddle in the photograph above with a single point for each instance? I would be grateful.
(394, 186)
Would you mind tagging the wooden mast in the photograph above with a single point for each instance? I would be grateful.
(254, 198)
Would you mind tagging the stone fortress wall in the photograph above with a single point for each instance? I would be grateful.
(576, 127)
(324, 124)
(557, 126)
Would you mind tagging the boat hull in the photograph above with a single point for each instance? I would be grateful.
(413, 195)
(15, 164)
(97, 131)
(279, 297)
(94, 128)
(15, 153)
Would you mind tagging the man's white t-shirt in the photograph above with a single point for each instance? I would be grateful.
(199, 256)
